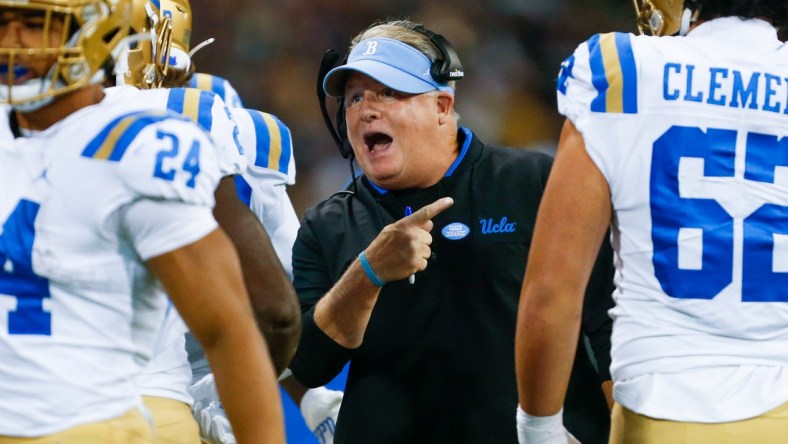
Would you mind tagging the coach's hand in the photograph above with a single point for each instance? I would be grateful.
(403, 247)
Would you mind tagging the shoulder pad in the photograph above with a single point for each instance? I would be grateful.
(600, 77)
(267, 142)
(210, 112)
(160, 155)
(217, 85)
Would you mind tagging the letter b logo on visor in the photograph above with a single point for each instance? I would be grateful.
(372, 48)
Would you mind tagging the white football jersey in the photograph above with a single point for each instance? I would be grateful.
(84, 204)
(268, 147)
(691, 134)
(217, 85)
(205, 108)
(270, 169)
(262, 174)
(168, 373)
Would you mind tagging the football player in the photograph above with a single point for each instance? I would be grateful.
(160, 65)
(103, 198)
(679, 140)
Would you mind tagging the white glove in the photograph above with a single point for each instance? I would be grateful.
(209, 413)
(214, 425)
(543, 429)
(204, 389)
(320, 408)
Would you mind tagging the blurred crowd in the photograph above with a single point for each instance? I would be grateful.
(511, 51)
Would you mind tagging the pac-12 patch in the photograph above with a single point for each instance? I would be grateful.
(455, 231)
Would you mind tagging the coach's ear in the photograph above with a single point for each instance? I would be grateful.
(445, 106)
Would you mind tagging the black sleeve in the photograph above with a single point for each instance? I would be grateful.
(318, 358)
(597, 324)
(311, 275)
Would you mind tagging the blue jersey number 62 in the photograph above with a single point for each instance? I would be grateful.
(670, 212)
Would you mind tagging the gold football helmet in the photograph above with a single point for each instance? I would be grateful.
(161, 57)
(91, 30)
(663, 17)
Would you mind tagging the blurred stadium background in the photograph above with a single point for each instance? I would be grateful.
(511, 50)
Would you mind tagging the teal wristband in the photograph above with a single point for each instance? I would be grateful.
(362, 257)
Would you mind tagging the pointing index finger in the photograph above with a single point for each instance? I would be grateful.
(430, 211)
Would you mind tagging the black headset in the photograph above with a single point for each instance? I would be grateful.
(445, 68)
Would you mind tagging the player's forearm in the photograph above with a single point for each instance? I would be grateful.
(282, 342)
(271, 294)
(204, 282)
(607, 389)
(278, 318)
(246, 384)
(545, 343)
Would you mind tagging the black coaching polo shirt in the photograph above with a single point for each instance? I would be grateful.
(437, 361)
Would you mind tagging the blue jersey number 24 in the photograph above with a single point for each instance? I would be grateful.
(191, 163)
(670, 212)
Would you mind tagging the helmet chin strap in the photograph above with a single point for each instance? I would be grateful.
(686, 20)
(36, 87)
(30, 89)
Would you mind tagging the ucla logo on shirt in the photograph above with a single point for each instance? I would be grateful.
(455, 231)
(491, 226)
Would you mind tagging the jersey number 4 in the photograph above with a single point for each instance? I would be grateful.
(705, 223)
(18, 283)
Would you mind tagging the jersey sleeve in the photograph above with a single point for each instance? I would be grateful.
(598, 83)
(157, 227)
(599, 77)
(267, 143)
(219, 86)
(210, 112)
(165, 157)
(266, 196)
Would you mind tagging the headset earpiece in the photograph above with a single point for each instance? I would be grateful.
(447, 67)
